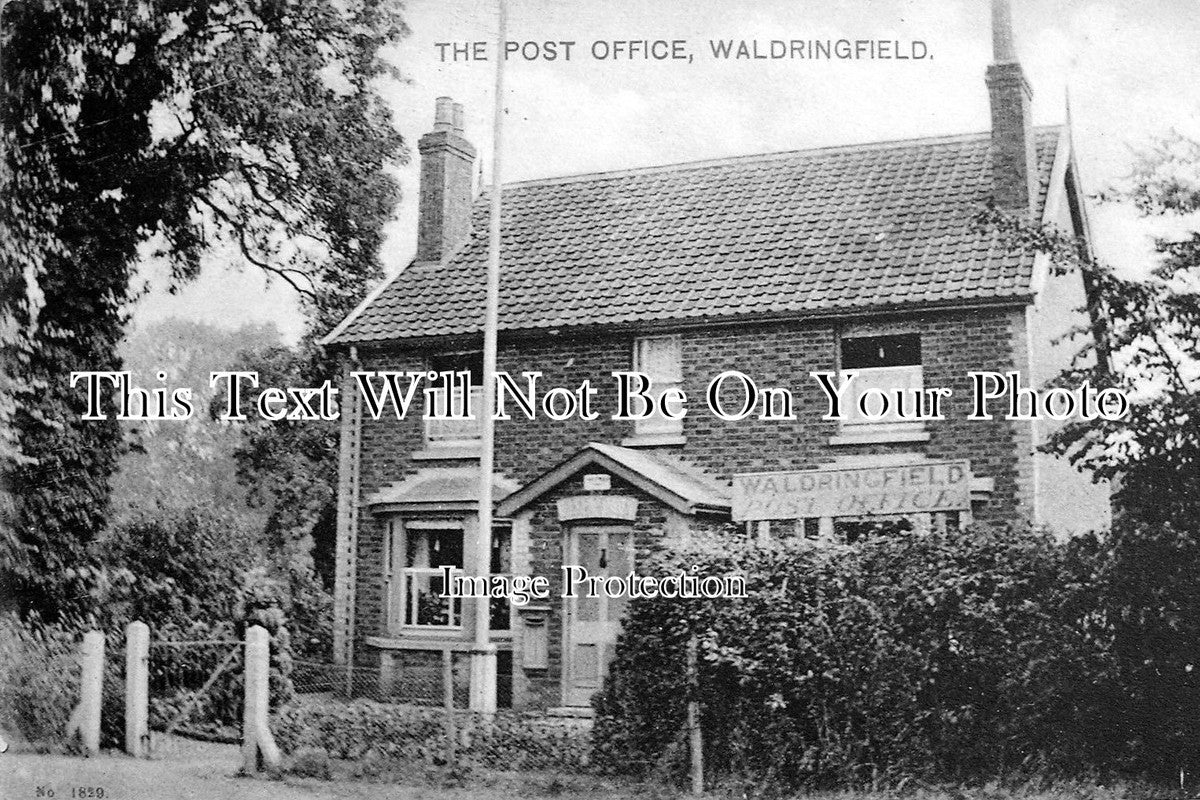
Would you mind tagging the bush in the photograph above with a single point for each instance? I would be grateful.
(378, 731)
(937, 656)
(310, 763)
(39, 679)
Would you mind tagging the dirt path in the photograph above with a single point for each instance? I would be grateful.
(186, 769)
(179, 769)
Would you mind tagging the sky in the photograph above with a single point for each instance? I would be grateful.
(1131, 71)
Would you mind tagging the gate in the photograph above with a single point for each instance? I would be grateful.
(195, 688)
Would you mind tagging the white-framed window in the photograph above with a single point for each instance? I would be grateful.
(457, 432)
(659, 358)
(415, 553)
(889, 363)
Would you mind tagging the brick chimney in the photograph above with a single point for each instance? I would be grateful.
(1014, 157)
(447, 172)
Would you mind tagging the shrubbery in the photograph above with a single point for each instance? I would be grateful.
(39, 679)
(409, 734)
(951, 656)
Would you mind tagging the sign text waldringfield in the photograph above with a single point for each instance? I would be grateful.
(907, 489)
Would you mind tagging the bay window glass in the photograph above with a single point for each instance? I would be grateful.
(429, 548)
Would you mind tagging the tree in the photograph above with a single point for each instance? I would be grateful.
(176, 125)
(1144, 342)
(290, 469)
(1141, 339)
(184, 464)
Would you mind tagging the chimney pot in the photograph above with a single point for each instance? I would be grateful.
(443, 115)
(1003, 49)
(457, 118)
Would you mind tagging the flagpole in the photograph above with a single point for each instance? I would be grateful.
(483, 655)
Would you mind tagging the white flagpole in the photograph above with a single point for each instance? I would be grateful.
(483, 655)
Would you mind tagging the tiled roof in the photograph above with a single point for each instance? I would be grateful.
(825, 231)
(447, 487)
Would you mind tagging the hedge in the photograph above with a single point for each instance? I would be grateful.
(365, 728)
(955, 656)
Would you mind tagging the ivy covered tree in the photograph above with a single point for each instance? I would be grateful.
(168, 125)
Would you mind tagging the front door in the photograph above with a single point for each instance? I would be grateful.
(594, 622)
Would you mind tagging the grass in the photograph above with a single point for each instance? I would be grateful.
(183, 768)
(479, 783)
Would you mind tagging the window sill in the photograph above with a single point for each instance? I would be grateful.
(879, 437)
(420, 640)
(447, 453)
(654, 440)
(417, 639)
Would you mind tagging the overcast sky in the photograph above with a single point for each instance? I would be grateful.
(1132, 70)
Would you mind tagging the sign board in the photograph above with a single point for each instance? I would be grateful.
(597, 482)
(918, 488)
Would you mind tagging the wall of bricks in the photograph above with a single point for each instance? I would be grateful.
(775, 354)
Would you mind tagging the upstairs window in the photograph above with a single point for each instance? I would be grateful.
(889, 363)
(457, 432)
(659, 358)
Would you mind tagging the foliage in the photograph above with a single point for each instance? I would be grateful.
(182, 464)
(288, 472)
(1145, 612)
(184, 575)
(178, 125)
(1141, 339)
(937, 656)
(39, 679)
(290, 466)
(310, 616)
(408, 734)
(172, 569)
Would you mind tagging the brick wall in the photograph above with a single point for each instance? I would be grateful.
(953, 343)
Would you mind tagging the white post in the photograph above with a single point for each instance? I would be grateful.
(86, 718)
(695, 735)
(256, 731)
(137, 689)
(483, 654)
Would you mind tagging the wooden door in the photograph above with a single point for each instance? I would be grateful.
(593, 622)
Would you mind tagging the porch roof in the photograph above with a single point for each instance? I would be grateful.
(678, 485)
(437, 489)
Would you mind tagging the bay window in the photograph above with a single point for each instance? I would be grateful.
(415, 551)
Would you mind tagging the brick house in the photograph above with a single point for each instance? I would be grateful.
(858, 258)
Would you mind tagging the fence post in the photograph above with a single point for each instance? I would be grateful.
(86, 717)
(448, 702)
(256, 731)
(695, 737)
(137, 689)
